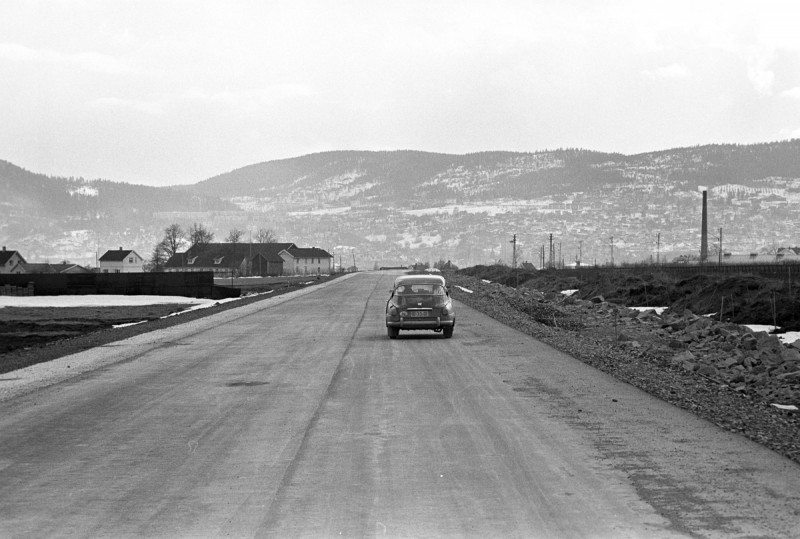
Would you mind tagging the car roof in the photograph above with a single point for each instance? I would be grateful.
(419, 279)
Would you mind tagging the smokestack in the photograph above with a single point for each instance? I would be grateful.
(704, 230)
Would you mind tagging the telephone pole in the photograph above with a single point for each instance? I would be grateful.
(514, 260)
(560, 260)
(612, 251)
(658, 248)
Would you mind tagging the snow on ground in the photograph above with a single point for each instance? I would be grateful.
(112, 300)
(467, 290)
(787, 338)
(99, 300)
(658, 310)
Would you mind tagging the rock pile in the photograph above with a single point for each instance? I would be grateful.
(731, 354)
(748, 361)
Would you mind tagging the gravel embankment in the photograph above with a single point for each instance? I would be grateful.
(644, 355)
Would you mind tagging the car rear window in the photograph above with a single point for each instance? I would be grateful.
(421, 288)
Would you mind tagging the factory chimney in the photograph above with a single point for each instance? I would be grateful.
(704, 230)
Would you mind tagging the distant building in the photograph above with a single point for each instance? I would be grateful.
(307, 261)
(9, 260)
(783, 255)
(121, 261)
(245, 259)
(231, 259)
(36, 267)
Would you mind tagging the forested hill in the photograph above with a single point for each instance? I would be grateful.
(422, 176)
(38, 195)
(406, 173)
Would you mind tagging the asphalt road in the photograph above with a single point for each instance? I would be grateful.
(297, 417)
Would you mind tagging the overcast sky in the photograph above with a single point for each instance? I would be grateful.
(167, 92)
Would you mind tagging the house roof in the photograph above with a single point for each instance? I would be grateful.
(5, 256)
(35, 267)
(117, 256)
(45, 267)
(309, 252)
(227, 255)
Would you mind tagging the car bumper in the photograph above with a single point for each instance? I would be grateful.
(406, 323)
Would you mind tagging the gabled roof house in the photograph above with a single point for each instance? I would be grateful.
(9, 260)
(121, 261)
(307, 261)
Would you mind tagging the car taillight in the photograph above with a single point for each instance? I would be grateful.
(444, 311)
(392, 311)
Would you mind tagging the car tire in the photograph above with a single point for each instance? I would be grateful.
(448, 331)
(393, 332)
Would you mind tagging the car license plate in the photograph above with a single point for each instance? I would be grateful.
(418, 314)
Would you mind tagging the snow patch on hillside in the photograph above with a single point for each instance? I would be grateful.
(411, 241)
(321, 211)
(491, 209)
(84, 190)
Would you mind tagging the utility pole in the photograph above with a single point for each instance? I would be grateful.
(551, 251)
(560, 260)
(612, 251)
(580, 253)
(514, 260)
(658, 248)
(720, 246)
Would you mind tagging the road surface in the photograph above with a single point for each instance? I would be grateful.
(297, 417)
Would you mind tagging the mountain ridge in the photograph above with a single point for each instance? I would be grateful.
(402, 205)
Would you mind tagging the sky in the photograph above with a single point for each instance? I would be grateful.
(172, 92)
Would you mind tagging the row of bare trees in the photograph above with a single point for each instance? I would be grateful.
(176, 238)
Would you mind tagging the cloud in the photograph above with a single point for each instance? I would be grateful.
(251, 99)
(147, 107)
(87, 61)
(673, 71)
(761, 77)
(793, 93)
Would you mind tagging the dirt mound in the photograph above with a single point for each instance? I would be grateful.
(740, 298)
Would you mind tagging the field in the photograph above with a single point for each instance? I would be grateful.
(27, 327)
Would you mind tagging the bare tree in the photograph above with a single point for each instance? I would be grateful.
(771, 248)
(235, 236)
(200, 235)
(266, 235)
(174, 238)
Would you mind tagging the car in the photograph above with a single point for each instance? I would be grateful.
(420, 302)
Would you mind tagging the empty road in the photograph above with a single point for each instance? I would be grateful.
(296, 416)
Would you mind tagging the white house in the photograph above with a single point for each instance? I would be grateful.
(9, 260)
(306, 261)
(121, 261)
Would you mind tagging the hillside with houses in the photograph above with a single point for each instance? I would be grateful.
(371, 209)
